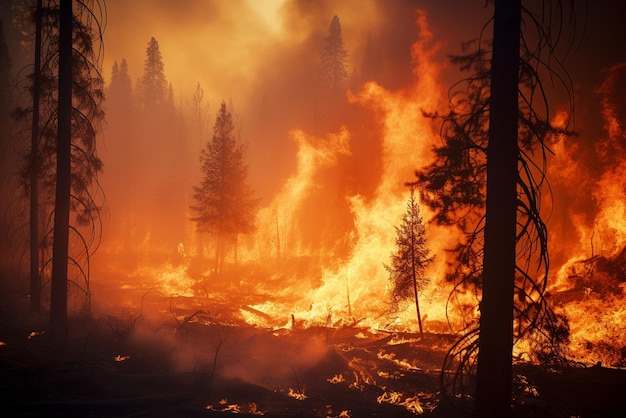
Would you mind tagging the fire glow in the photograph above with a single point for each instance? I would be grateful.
(291, 280)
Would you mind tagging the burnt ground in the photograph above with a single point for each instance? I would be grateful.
(190, 364)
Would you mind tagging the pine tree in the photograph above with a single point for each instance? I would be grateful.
(120, 88)
(60, 246)
(487, 180)
(334, 70)
(153, 86)
(63, 165)
(224, 205)
(412, 257)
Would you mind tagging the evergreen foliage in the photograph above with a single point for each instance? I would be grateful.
(83, 90)
(411, 258)
(153, 86)
(334, 71)
(223, 203)
(504, 260)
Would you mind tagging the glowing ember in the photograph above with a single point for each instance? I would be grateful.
(338, 378)
(412, 404)
(296, 394)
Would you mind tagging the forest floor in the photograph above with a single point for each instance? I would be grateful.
(186, 363)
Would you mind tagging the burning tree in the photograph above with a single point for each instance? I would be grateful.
(412, 257)
(224, 205)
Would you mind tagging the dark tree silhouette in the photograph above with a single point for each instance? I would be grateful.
(494, 370)
(58, 292)
(223, 201)
(411, 258)
(333, 65)
(492, 134)
(120, 88)
(153, 86)
(35, 278)
(62, 164)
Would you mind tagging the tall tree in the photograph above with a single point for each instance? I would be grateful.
(411, 258)
(58, 292)
(66, 161)
(223, 201)
(35, 278)
(122, 154)
(153, 87)
(120, 89)
(495, 145)
(334, 71)
(494, 374)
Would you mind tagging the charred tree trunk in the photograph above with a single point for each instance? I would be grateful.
(494, 373)
(58, 296)
(35, 278)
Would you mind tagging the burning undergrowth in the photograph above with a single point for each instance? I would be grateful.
(188, 362)
(594, 304)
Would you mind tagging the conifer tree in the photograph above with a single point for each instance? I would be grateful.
(334, 70)
(223, 202)
(120, 88)
(153, 86)
(63, 165)
(412, 257)
(487, 179)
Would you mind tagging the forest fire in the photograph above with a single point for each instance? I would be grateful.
(286, 299)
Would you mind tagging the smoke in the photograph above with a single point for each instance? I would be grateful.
(330, 176)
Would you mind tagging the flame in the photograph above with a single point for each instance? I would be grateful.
(343, 281)
(169, 279)
(277, 223)
(296, 394)
(412, 404)
(354, 290)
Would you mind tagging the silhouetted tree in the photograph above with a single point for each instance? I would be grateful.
(153, 87)
(120, 89)
(487, 180)
(35, 278)
(123, 153)
(199, 117)
(494, 373)
(333, 65)
(58, 292)
(223, 201)
(411, 258)
(62, 164)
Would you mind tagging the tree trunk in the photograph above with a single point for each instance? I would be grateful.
(58, 296)
(494, 373)
(417, 304)
(35, 279)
